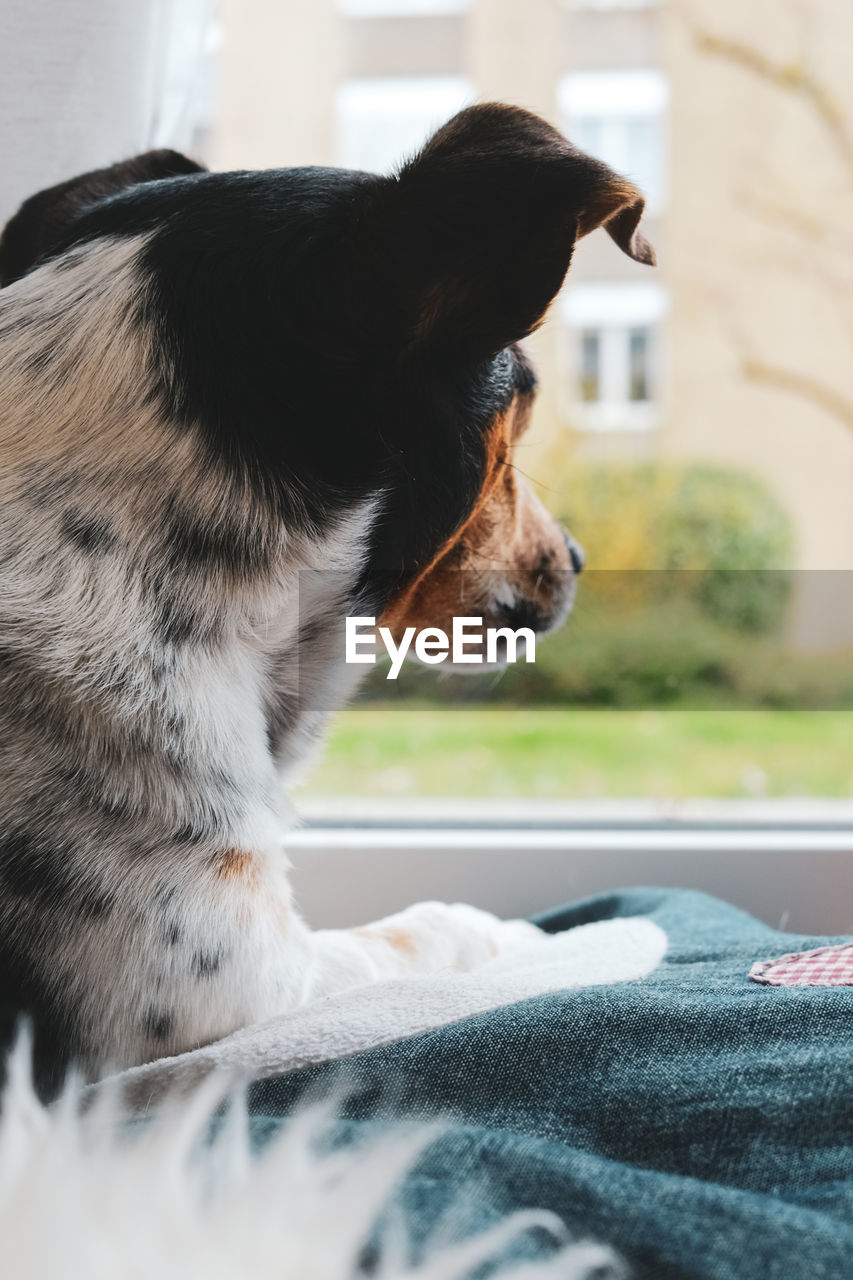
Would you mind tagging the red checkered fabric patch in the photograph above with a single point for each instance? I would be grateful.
(823, 967)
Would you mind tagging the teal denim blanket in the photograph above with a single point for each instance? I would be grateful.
(698, 1122)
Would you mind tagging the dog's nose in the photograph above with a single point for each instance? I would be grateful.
(576, 554)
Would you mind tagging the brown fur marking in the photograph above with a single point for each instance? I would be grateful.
(508, 535)
(399, 939)
(236, 865)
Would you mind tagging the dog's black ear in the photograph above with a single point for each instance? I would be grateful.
(42, 221)
(486, 218)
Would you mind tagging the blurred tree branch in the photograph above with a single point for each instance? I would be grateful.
(791, 77)
(808, 388)
(821, 231)
(824, 245)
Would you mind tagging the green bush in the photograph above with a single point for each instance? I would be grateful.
(686, 586)
(730, 530)
(719, 537)
(663, 652)
(670, 653)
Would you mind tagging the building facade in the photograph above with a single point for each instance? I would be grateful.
(737, 122)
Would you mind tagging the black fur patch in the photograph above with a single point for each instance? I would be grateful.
(35, 872)
(158, 1023)
(177, 623)
(288, 357)
(45, 877)
(236, 548)
(287, 304)
(193, 833)
(206, 963)
(118, 808)
(91, 534)
(26, 870)
(95, 902)
(26, 997)
(174, 933)
(70, 260)
(41, 224)
(526, 380)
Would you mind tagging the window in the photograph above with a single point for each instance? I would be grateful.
(590, 372)
(400, 8)
(619, 116)
(639, 350)
(383, 120)
(613, 340)
(660, 661)
(610, 6)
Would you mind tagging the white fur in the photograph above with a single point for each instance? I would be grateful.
(83, 1197)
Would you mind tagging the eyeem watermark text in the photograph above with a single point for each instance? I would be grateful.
(432, 645)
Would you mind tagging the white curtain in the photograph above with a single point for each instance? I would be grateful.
(84, 83)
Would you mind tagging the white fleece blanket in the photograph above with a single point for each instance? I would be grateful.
(84, 1195)
(367, 1017)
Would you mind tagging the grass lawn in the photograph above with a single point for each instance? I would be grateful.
(563, 753)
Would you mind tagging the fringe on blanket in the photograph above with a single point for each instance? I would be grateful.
(92, 1193)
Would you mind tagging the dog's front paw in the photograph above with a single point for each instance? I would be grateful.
(431, 936)
(469, 937)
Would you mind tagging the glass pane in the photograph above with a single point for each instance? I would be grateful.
(400, 8)
(639, 346)
(695, 662)
(644, 155)
(384, 119)
(619, 116)
(590, 366)
(586, 134)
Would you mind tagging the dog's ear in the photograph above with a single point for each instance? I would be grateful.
(486, 218)
(42, 221)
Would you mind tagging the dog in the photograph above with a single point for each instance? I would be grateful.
(236, 408)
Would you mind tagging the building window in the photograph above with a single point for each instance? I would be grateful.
(401, 8)
(610, 6)
(620, 116)
(639, 364)
(590, 366)
(384, 120)
(612, 355)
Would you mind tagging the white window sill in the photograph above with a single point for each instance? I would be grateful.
(788, 862)
(617, 416)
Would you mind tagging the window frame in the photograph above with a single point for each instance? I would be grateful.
(361, 97)
(786, 861)
(371, 9)
(613, 312)
(614, 99)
